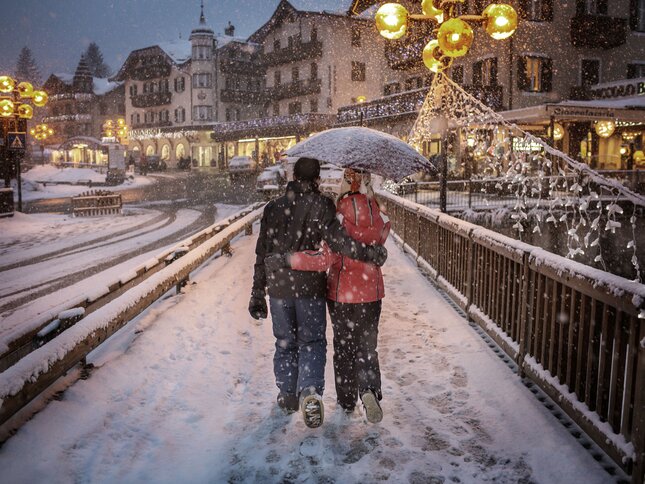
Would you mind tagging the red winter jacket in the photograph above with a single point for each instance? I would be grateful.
(349, 280)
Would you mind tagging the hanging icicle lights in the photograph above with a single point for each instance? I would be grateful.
(454, 35)
(535, 183)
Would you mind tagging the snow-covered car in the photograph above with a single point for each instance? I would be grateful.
(241, 165)
(271, 181)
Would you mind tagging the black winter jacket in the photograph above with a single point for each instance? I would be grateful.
(299, 220)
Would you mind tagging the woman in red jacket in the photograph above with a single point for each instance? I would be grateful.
(354, 293)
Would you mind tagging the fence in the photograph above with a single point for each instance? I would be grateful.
(95, 318)
(577, 332)
(96, 202)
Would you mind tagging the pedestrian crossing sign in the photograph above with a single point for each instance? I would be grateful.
(16, 141)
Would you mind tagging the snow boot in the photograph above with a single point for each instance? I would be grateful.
(311, 405)
(288, 402)
(373, 411)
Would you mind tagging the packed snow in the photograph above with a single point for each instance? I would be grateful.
(186, 393)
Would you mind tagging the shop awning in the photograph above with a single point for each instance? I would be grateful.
(621, 109)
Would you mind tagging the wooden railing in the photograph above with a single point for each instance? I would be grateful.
(577, 332)
(59, 342)
(96, 202)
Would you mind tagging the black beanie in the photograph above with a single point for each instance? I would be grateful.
(306, 169)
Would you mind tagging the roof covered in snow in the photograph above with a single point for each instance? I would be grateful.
(178, 50)
(100, 86)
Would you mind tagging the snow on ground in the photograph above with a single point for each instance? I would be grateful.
(74, 179)
(186, 394)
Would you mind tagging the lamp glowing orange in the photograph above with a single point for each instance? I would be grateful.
(40, 98)
(605, 128)
(455, 37)
(392, 20)
(558, 131)
(25, 89)
(25, 111)
(429, 9)
(6, 108)
(433, 58)
(500, 20)
(7, 84)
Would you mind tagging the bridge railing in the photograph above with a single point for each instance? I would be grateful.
(577, 332)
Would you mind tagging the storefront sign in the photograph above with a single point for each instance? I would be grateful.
(520, 144)
(582, 112)
(621, 90)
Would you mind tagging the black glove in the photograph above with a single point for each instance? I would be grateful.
(274, 262)
(258, 307)
(377, 254)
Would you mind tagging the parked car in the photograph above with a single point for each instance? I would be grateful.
(271, 181)
(241, 165)
(152, 163)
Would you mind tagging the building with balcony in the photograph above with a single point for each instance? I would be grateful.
(312, 64)
(78, 106)
(563, 54)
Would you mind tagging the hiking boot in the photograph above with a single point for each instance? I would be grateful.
(311, 405)
(373, 410)
(288, 402)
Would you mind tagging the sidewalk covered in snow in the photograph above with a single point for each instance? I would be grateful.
(186, 393)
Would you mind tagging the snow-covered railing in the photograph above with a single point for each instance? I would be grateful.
(72, 334)
(576, 331)
(96, 202)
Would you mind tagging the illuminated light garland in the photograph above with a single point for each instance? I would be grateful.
(156, 133)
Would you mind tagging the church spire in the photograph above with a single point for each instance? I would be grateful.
(202, 19)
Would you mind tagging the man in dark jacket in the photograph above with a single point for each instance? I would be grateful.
(297, 221)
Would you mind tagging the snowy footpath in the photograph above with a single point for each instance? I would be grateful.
(185, 394)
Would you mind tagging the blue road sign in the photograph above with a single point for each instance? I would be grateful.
(16, 141)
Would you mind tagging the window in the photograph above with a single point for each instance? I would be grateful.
(356, 36)
(391, 88)
(202, 113)
(202, 80)
(295, 107)
(146, 87)
(458, 74)
(591, 7)
(358, 71)
(314, 33)
(228, 114)
(313, 73)
(636, 70)
(589, 72)
(534, 74)
(138, 118)
(290, 42)
(637, 15)
(413, 83)
(295, 74)
(180, 115)
(133, 90)
(277, 78)
(201, 52)
(164, 116)
(276, 45)
(276, 109)
(164, 85)
(313, 105)
(180, 84)
(485, 72)
(536, 10)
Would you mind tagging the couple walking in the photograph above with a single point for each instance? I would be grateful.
(310, 253)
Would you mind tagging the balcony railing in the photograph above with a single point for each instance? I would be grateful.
(238, 96)
(396, 105)
(297, 52)
(156, 124)
(303, 87)
(151, 99)
(153, 71)
(274, 126)
(245, 67)
(598, 31)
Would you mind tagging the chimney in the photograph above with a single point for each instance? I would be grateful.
(230, 29)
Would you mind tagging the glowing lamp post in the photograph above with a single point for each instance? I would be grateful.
(15, 110)
(453, 37)
(41, 132)
(116, 130)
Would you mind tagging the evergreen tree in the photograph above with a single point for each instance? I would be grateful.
(95, 62)
(26, 68)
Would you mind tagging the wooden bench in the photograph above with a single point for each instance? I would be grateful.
(96, 202)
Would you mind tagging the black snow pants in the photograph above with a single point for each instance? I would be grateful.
(356, 367)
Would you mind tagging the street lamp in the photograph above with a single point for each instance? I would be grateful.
(453, 37)
(15, 110)
(41, 132)
(116, 130)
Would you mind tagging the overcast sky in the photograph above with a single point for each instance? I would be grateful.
(58, 31)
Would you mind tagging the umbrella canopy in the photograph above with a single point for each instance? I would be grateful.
(364, 149)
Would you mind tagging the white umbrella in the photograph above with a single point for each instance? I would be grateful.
(364, 149)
